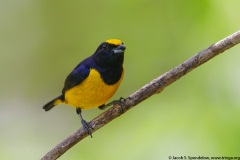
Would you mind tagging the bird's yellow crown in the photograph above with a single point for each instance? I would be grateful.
(114, 41)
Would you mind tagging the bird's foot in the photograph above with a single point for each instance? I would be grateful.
(120, 102)
(87, 127)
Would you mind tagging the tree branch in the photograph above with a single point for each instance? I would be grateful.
(155, 86)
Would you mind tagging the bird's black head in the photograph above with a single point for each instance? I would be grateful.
(110, 53)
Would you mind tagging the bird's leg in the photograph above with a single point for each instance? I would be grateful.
(87, 127)
(121, 102)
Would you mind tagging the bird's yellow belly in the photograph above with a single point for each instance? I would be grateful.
(91, 93)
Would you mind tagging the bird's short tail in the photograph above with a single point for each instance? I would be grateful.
(54, 102)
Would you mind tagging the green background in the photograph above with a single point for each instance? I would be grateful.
(42, 41)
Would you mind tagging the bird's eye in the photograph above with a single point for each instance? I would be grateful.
(104, 46)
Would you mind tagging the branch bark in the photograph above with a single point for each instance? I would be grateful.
(155, 86)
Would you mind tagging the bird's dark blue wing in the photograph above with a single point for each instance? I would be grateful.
(79, 74)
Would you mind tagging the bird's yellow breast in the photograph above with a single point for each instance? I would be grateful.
(92, 92)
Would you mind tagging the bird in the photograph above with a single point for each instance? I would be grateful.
(93, 81)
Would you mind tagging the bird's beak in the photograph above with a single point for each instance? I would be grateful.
(119, 49)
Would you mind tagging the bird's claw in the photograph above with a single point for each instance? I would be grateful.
(87, 127)
(120, 102)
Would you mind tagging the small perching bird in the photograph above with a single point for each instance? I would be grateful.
(94, 80)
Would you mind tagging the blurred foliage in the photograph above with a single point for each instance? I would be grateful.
(42, 41)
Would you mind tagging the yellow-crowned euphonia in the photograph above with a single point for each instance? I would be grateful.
(94, 80)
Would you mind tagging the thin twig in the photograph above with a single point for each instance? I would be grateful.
(155, 86)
